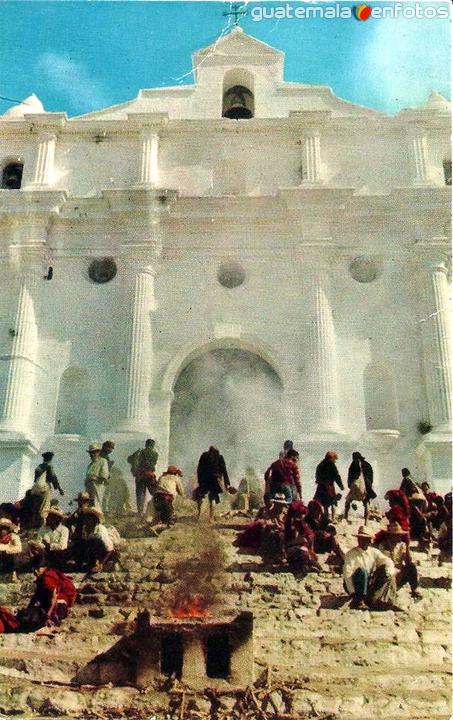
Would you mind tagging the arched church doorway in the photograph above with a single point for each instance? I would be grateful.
(230, 398)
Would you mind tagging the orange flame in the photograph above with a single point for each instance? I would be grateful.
(193, 607)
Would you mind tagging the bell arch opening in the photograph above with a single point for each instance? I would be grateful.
(238, 102)
(231, 398)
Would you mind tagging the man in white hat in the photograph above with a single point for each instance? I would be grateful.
(367, 573)
(51, 542)
(98, 541)
(10, 547)
(97, 476)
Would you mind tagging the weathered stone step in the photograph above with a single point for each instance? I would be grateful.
(315, 653)
(374, 706)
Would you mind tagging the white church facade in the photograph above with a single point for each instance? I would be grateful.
(244, 233)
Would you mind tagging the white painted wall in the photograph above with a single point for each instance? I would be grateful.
(209, 162)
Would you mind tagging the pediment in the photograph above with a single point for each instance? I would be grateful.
(238, 43)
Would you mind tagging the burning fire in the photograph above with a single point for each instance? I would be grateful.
(192, 607)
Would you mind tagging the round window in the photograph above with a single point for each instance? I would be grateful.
(231, 274)
(365, 269)
(102, 270)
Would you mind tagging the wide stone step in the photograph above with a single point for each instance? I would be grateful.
(374, 706)
(314, 653)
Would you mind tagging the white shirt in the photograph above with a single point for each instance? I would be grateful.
(14, 547)
(369, 559)
(170, 484)
(57, 539)
(101, 533)
(98, 470)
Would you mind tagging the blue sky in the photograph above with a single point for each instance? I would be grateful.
(80, 56)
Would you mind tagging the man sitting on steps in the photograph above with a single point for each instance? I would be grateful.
(369, 575)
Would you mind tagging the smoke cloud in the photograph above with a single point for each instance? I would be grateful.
(231, 399)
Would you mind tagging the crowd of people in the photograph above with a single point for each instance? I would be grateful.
(36, 534)
(286, 531)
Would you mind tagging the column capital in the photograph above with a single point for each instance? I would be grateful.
(432, 255)
(320, 254)
(416, 129)
(43, 123)
(147, 122)
(46, 135)
(309, 119)
(310, 131)
(27, 262)
(139, 266)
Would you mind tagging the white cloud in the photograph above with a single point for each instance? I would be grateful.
(73, 80)
(395, 78)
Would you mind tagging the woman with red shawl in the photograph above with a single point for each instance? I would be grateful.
(325, 532)
(54, 596)
(398, 513)
(299, 539)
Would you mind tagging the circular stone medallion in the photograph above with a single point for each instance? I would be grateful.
(231, 274)
(102, 270)
(365, 269)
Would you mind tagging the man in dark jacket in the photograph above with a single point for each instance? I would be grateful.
(212, 479)
(283, 476)
(360, 483)
(143, 468)
(41, 492)
(408, 486)
(327, 476)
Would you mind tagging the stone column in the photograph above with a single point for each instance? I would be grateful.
(436, 334)
(322, 411)
(160, 423)
(140, 299)
(44, 162)
(18, 398)
(311, 157)
(418, 154)
(149, 161)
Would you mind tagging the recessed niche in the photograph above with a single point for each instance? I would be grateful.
(231, 274)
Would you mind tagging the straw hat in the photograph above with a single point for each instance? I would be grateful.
(83, 496)
(97, 513)
(173, 470)
(6, 522)
(394, 528)
(279, 499)
(58, 512)
(418, 498)
(94, 447)
(365, 532)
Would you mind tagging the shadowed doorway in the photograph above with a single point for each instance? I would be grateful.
(230, 398)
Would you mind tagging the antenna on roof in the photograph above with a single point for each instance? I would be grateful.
(236, 10)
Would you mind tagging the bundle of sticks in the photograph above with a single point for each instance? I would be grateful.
(265, 700)
(269, 698)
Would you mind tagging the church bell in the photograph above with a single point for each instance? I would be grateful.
(238, 103)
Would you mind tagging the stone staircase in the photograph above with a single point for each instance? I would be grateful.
(341, 664)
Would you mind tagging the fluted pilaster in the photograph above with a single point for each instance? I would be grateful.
(135, 414)
(418, 152)
(44, 162)
(149, 158)
(321, 358)
(436, 332)
(18, 397)
(311, 157)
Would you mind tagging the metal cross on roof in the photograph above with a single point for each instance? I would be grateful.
(237, 11)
